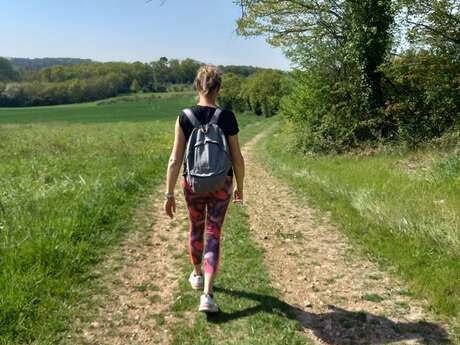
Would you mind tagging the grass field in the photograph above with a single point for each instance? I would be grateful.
(69, 179)
(403, 208)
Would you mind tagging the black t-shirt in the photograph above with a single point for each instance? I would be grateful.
(227, 122)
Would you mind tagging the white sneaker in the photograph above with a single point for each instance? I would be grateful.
(196, 281)
(207, 304)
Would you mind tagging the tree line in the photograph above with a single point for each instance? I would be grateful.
(89, 81)
(259, 93)
(368, 71)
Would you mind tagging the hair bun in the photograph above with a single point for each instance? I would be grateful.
(208, 79)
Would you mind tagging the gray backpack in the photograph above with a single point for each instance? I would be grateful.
(208, 159)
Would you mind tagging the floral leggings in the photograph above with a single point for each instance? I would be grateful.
(213, 206)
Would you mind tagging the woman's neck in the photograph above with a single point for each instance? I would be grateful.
(207, 101)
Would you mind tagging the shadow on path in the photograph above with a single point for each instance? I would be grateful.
(338, 326)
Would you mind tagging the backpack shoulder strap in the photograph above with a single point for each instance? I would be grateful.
(215, 116)
(192, 118)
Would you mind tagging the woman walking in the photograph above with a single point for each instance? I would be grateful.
(206, 209)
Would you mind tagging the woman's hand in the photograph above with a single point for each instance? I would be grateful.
(170, 206)
(237, 196)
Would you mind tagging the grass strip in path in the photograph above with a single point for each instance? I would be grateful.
(342, 297)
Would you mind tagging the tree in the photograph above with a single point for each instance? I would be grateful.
(339, 45)
(360, 30)
(142, 72)
(230, 96)
(422, 83)
(7, 71)
(14, 94)
(135, 87)
(263, 91)
(188, 70)
(423, 90)
(174, 71)
(368, 40)
(298, 26)
(435, 23)
(161, 74)
(242, 71)
(76, 90)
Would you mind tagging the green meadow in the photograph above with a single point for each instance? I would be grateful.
(70, 177)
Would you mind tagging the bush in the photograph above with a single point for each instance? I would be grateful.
(230, 96)
(263, 91)
(421, 90)
(328, 113)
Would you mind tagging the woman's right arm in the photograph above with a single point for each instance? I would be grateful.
(238, 164)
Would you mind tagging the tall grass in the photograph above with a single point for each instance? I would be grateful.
(69, 179)
(402, 211)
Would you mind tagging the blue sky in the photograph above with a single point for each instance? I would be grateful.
(131, 30)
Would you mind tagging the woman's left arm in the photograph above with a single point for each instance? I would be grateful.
(174, 165)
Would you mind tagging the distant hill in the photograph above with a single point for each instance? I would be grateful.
(39, 63)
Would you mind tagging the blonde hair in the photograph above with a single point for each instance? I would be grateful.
(208, 79)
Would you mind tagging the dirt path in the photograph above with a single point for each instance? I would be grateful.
(338, 296)
(139, 285)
